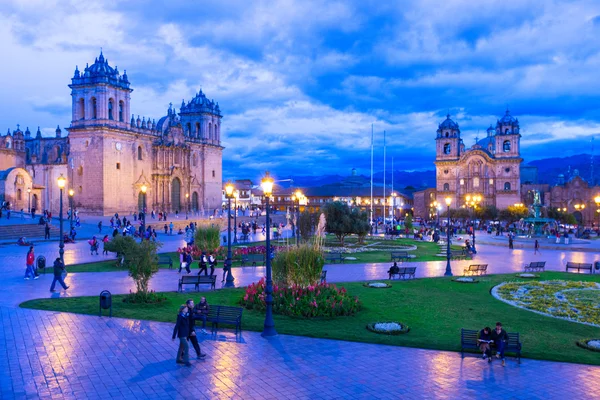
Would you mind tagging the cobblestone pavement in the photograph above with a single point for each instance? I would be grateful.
(61, 355)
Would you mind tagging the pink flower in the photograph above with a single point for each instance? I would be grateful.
(246, 297)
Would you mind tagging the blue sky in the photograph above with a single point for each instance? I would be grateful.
(301, 82)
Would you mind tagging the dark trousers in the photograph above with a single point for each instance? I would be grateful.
(58, 279)
(203, 268)
(183, 352)
(500, 346)
(194, 340)
(46, 235)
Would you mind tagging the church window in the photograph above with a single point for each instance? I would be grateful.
(19, 194)
(81, 109)
(506, 146)
(121, 111)
(20, 180)
(506, 185)
(447, 134)
(80, 170)
(87, 143)
(507, 170)
(197, 129)
(94, 108)
(446, 187)
(475, 182)
(194, 160)
(462, 182)
(118, 165)
(446, 171)
(80, 189)
(110, 109)
(189, 129)
(447, 148)
(491, 181)
(213, 173)
(506, 131)
(8, 144)
(140, 153)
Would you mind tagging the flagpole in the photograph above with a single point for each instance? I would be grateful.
(371, 175)
(392, 196)
(384, 224)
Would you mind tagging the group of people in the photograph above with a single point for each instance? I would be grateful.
(185, 329)
(31, 270)
(205, 262)
(497, 338)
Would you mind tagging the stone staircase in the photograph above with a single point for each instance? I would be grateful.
(30, 231)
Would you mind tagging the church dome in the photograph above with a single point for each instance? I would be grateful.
(507, 119)
(100, 72)
(200, 104)
(448, 123)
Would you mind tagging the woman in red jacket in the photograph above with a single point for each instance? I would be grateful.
(30, 261)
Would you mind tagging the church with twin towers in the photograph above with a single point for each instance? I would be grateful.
(110, 153)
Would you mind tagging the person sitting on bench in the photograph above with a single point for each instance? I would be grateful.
(394, 269)
(500, 338)
(484, 339)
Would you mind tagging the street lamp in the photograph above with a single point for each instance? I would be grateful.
(29, 193)
(580, 207)
(473, 202)
(299, 195)
(61, 244)
(597, 201)
(71, 194)
(187, 205)
(448, 268)
(144, 189)
(269, 326)
(229, 194)
(236, 196)
(394, 211)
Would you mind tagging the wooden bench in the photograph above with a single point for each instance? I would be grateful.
(324, 276)
(458, 254)
(399, 256)
(405, 273)
(579, 266)
(334, 257)
(197, 280)
(165, 260)
(468, 341)
(535, 266)
(253, 260)
(225, 315)
(475, 269)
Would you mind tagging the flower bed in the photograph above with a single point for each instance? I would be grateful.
(320, 300)
(388, 328)
(570, 300)
(589, 344)
(255, 250)
(377, 285)
(465, 279)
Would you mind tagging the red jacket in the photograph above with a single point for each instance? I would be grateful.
(30, 258)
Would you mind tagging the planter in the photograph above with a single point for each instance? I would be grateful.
(377, 285)
(388, 328)
(589, 344)
(527, 275)
(465, 279)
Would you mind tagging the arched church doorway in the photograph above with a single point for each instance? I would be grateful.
(176, 195)
(195, 202)
(34, 202)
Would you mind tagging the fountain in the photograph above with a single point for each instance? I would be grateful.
(537, 226)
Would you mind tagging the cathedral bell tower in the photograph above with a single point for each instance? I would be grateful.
(448, 141)
(508, 138)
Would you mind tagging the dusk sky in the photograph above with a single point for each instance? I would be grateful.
(300, 82)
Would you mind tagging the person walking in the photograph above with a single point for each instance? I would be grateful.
(192, 336)
(203, 264)
(104, 241)
(59, 270)
(47, 231)
(510, 242)
(171, 228)
(536, 248)
(29, 265)
(100, 227)
(182, 331)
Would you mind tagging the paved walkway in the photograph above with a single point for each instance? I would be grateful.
(60, 355)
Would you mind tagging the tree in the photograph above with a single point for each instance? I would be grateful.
(307, 224)
(513, 214)
(487, 213)
(360, 224)
(339, 221)
(408, 223)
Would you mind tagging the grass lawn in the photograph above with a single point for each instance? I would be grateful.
(426, 251)
(435, 309)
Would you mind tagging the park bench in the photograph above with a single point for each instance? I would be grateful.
(579, 266)
(405, 273)
(468, 341)
(225, 315)
(324, 276)
(197, 280)
(535, 266)
(165, 260)
(399, 256)
(334, 257)
(475, 269)
(253, 260)
(458, 254)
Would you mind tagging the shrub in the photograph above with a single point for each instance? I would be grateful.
(322, 300)
(208, 238)
(298, 266)
(150, 297)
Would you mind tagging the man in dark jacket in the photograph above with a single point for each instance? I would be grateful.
(182, 331)
(500, 338)
(192, 336)
(59, 268)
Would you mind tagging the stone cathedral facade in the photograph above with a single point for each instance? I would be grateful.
(490, 168)
(110, 154)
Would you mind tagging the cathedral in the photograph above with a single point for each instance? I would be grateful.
(108, 158)
(490, 168)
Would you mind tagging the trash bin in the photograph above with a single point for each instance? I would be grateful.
(224, 239)
(106, 302)
(41, 263)
(597, 265)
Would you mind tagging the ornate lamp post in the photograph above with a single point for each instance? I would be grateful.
(29, 193)
(236, 196)
(448, 268)
(473, 202)
(394, 195)
(229, 194)
(580, 207)
(144, 189)
(597, 201)
(187, 205)
(61, 244)
(71, 194)
(269, 327)
(299, 195)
